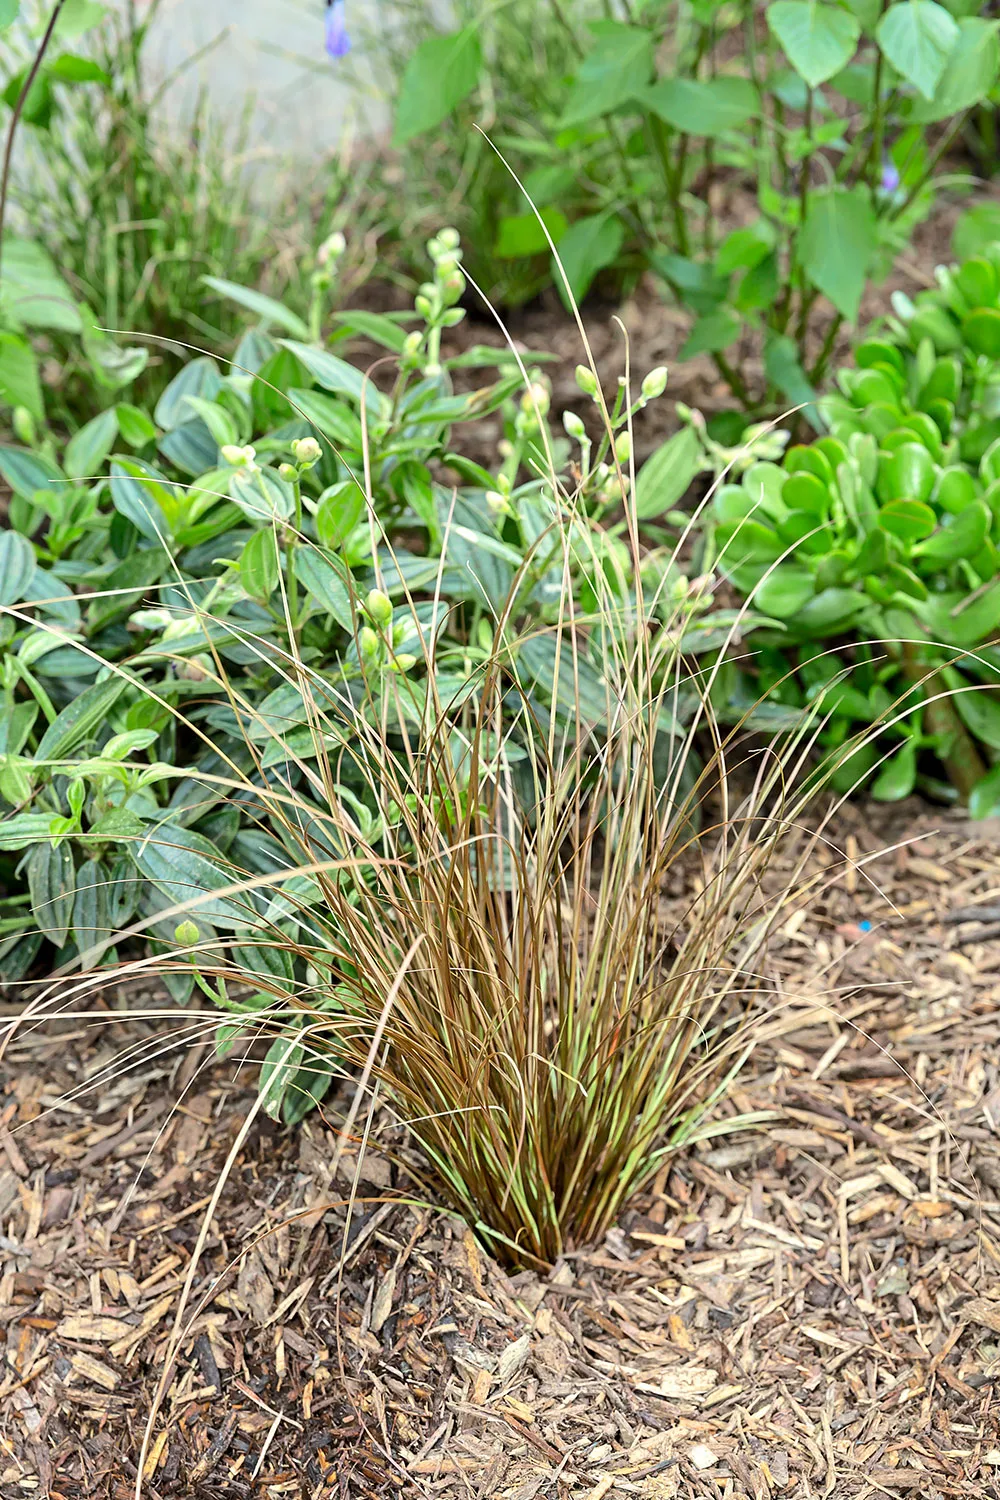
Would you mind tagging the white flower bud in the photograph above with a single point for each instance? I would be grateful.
(574, 427)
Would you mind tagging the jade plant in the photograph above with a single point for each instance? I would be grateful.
(873, 551)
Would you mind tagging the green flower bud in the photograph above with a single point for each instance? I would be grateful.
(623, 447)
(332, 248)
(411, 344)
(422, 305)
(453, 286)
(238, 457)
(186, 933)
(24, 426)
(368, 643)
(449, 239)
(403, 662)
(536, 400)
(574, 427)
(288, 472)
(307, 451)
(379, 608)
(586, 380)
(655, 383)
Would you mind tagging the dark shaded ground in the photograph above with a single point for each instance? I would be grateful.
(810, 1308)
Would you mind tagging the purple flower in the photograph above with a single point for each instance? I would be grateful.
(890, 176)
(338, 43)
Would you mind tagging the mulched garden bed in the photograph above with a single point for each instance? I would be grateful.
(807, 1309)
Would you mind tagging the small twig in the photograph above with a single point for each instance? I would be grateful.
(19, 110)
(973, 914)
(981, 935)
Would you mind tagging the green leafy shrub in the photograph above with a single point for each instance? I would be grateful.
(167, 576)
(834, 117)
(883, 534)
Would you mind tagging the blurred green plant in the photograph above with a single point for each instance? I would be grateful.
(135, 210)
(875, 550)
(628, 135)
(168, 575)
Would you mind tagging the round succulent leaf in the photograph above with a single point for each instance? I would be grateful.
(829, 609)
(784, 591)
(963, 536)
(811, 459)
(876, 353)
(956, 489)
(806, 492)
(747, 541)
(903, 580)
(898, 776)
(908, 473)
(977, 281)
(981, 331)
(908, 520)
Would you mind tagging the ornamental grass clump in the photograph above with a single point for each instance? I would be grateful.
(407, 764)
(472, 914)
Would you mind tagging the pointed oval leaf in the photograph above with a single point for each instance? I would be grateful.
(818, 39)
(440, 74)
(707, 107)
(186, 868)
(88, 449)
(17, 566)
(918, 37)
(266, 308)
(838, 241)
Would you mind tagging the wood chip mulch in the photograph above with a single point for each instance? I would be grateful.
(808, 1309)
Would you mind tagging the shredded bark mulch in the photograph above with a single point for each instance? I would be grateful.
(809, 1308)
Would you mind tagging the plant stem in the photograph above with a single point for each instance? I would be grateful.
(961, 759)
(805, 304)
(878, 130)
(292, 539)
(15, 118)
(661, 140)
(733, 379)
(943, 145)
(819, 368)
